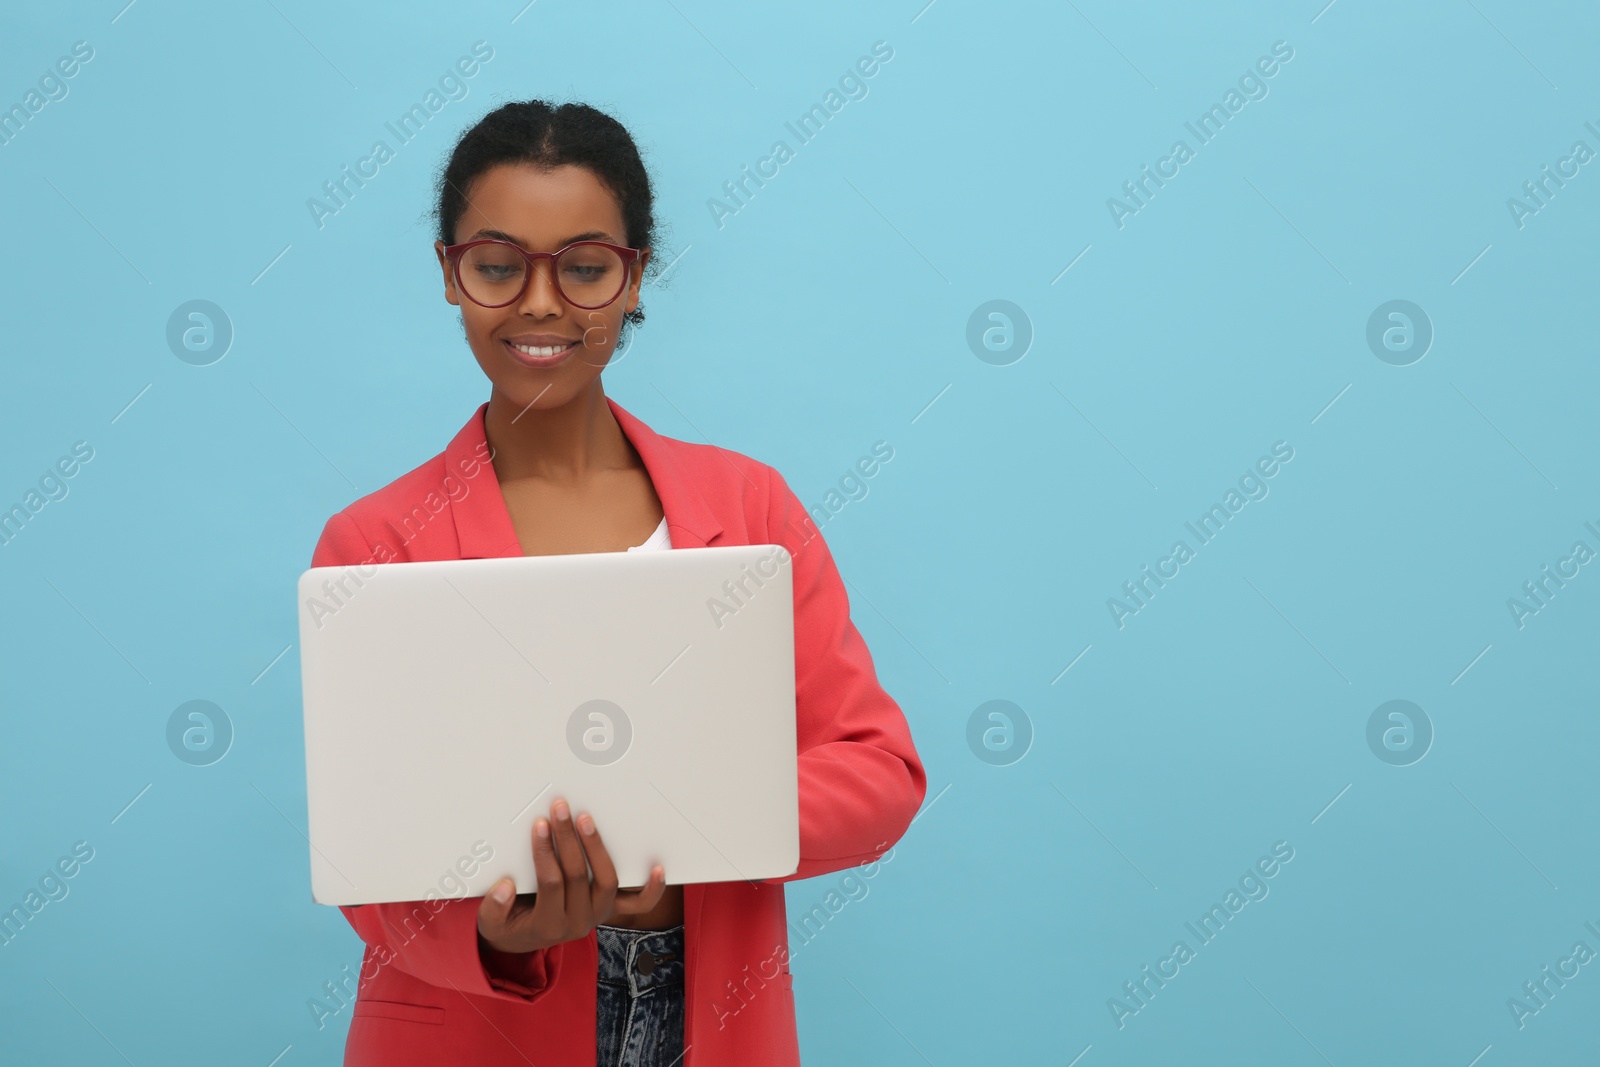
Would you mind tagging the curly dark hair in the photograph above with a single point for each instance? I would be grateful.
(546, 135)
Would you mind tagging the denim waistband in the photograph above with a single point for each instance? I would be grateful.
(640, 959)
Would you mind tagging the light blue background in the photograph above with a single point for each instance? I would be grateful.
(1228, 314)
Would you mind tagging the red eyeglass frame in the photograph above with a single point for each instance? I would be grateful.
(531, 259)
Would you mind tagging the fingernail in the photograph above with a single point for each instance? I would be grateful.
(502, 892)
(561, 810)
(541, 827)
(586, 824)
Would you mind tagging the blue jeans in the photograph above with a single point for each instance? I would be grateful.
(639, 998)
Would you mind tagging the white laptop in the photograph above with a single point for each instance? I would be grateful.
(447, 703)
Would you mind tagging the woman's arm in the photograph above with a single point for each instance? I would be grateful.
(436, 941)
(443, 948)
(860, 778)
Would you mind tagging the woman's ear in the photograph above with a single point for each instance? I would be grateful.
(637, 281)
(450, 293)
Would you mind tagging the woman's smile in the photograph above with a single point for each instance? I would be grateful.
(541, 351)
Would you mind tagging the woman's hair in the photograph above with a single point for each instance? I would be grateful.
(544, 135)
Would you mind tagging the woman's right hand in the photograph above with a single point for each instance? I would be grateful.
(567, 904)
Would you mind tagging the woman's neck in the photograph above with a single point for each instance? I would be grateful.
(564, 444)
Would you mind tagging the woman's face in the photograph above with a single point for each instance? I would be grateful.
(541, 211)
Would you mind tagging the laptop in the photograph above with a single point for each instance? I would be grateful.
(447, 703)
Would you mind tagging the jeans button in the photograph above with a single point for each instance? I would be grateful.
(647, 962)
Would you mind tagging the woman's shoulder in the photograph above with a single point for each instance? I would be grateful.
(724, 477)
(706, 461)
(717, 465)
(743, 491)
(385, 522)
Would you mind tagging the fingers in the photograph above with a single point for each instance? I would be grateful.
(547, 871)
(493, 911)
(603, 896)
(512, 921)
(639, 901)
(574, 867)
(564, 851)
(604, 890)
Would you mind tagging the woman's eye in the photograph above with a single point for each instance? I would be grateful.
(495, 274)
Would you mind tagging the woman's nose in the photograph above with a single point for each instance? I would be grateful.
(541, 299)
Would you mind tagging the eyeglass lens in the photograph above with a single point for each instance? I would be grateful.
(586, 275)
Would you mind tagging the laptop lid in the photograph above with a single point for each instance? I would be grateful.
(447, 703)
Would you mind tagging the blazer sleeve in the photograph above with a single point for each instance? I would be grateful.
(860, 778)
(436, 941)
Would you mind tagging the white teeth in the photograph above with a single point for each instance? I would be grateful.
(541, 350)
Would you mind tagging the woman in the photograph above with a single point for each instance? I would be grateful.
(545, 234)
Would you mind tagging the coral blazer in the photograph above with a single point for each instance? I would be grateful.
(430, 992)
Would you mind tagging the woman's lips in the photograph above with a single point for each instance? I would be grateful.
(541, 362)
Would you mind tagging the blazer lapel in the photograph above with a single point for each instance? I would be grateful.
(690, 521)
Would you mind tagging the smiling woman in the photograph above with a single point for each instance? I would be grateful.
(546, 234)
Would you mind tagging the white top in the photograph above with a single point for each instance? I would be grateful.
(658, 539)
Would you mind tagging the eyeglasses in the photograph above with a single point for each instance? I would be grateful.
(588, 274)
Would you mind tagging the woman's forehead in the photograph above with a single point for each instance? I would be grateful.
(541, 205)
